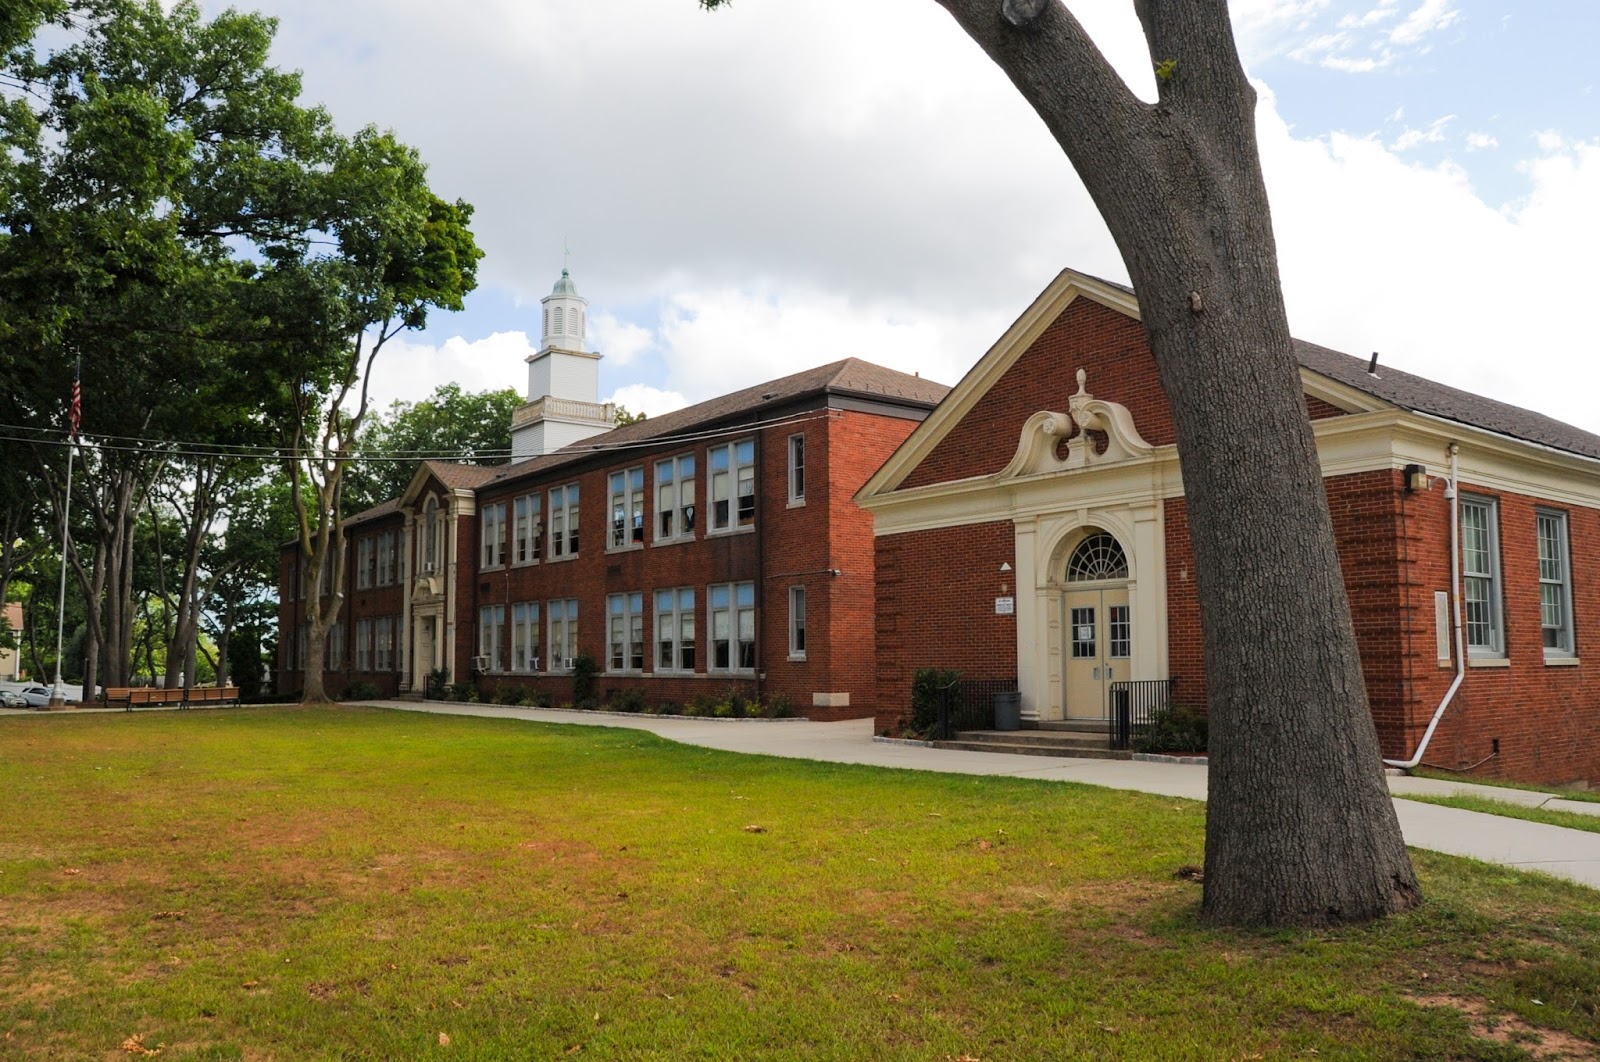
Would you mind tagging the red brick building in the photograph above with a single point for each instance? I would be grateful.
(1034, 528)
(713, 548)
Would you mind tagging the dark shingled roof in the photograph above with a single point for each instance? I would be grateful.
(1435, 399)
(377, 512)
(1420, 395)
(850, 377)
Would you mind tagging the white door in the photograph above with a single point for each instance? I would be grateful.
(1099, 649)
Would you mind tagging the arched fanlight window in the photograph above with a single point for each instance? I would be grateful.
(1097, 557)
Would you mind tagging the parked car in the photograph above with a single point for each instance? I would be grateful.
(36, 696)
(12, 700)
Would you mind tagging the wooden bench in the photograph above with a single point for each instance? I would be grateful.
(183, 697)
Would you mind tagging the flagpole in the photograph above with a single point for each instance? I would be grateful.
(58, 698)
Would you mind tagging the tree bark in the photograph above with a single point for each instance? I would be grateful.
(1300, 828)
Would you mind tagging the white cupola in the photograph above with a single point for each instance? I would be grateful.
(563, 405)
(565, 316)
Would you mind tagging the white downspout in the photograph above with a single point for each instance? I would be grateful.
(1452, 496)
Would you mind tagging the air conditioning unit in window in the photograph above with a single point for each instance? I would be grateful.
(480, 663)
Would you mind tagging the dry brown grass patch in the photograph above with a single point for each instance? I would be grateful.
(1545, 1045)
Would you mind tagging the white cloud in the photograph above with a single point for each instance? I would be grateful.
(1433, 134)
(1431, 17)
(409, 370)
(1481, 141)
(620, 341)
(651, 401)
(1385, 10)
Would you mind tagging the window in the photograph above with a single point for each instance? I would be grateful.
(334, 652)
(525, 636)
(626, 612)
(1084, 645)
(563, 633)
(675, 629)
(366, 564)
(733, 485)
(430, 537)
(527, 534)
(797, 622)
(493, 547)
(491, 636)
(386, 559)
(797, 469)
(1097, 557)
(1121, 633)
(1480, 567)
(733, 626)
(564, 522)
(364, 645)
(1555, 585)
(383, 644)
(627, 508)
(675, 498)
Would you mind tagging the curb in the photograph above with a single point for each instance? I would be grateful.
(1185, 761)
(621, 715)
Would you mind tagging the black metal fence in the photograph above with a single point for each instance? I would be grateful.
(968, 704)
(1134, 706)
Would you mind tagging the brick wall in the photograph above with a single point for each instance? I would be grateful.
(936, 592)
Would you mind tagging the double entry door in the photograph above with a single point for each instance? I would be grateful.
(1099, 649)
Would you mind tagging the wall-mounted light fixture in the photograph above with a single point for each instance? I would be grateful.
(1416, 479)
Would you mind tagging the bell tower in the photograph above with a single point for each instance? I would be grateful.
(563, 405)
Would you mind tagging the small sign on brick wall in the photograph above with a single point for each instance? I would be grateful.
(1005, 606)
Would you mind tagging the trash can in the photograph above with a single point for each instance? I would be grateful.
(1008, 711)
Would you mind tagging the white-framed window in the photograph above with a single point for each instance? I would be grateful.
(366, 564)
(386, 558)
(675, 629)
(492, 550)
(527, 529)
(733, 485)
(1555, 582)
(491, 635)
(525, 636)
(625, 624)
(627, 508)
(797, 623)
(564, 522)
(732, 608)
(675, 498)
(383, 644)
(1480, 571)
(797, 470)
(431, 560)
(364, 645)
(563, 633)
(334, 650)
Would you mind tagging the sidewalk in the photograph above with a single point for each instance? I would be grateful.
(1571, 854)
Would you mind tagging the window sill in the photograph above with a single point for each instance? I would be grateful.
(629, 548)
(748, 529)
(490, 567)
(797, 503)
(797, 658)
(1488, 661)
(524, 564)
(731, 674)
(1561, 661)
(676, 540)
(562, 559)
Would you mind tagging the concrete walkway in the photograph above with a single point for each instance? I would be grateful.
(1571, 854)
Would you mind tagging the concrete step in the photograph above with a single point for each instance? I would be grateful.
(1079, 752)
(1071, 726)
(1044, 739)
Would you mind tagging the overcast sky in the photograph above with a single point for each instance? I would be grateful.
(788, 182)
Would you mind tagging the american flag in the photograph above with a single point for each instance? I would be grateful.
(75, 412)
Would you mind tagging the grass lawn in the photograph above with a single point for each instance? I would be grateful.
(1587, 796)
(350, 883)
(1572, 820)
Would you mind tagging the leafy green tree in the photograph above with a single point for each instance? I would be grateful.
(450, 424)
(623, 417)
(1299, 824)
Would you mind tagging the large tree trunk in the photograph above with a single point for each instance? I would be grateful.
(1300, 828)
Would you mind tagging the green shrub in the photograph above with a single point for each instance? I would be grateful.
(361, 690)
(926, 686)
(738, 704)
(666, 708)
(724, 711)
(629, 700)
(780, 707)
(509, 693)
(436, 685)
(535, 698)
(463, 691)
(584, 672)
(701, 706)
(1173, 729)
